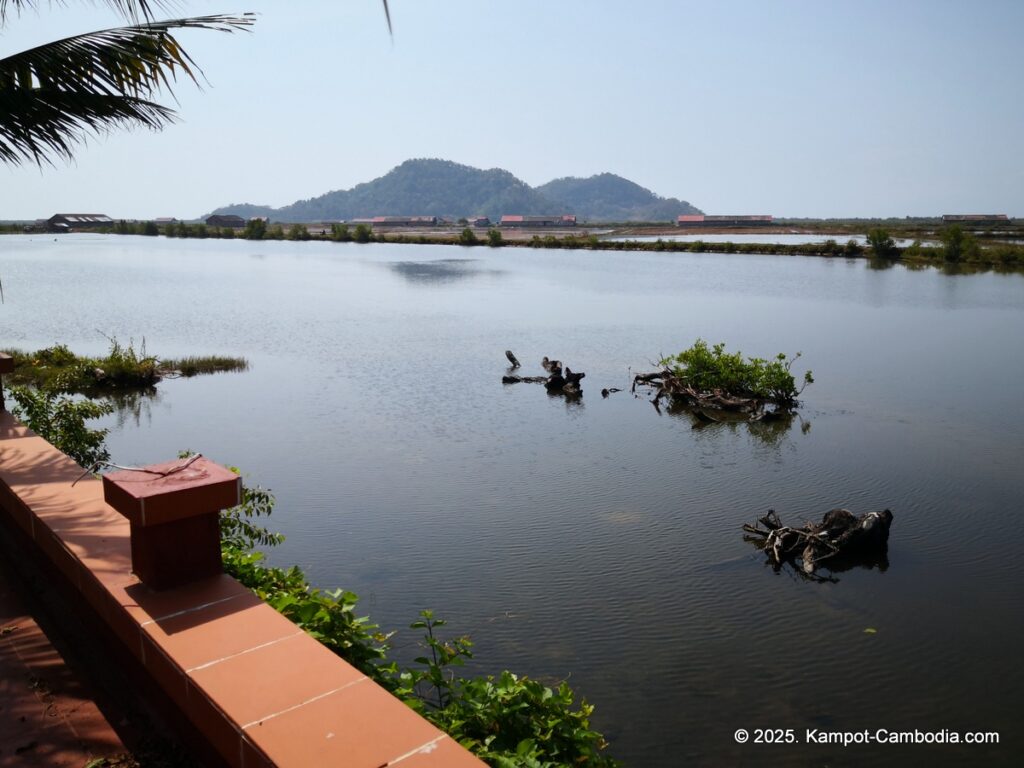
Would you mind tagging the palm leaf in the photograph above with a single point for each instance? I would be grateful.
(53, 96)
(37, 124)
(130, 9)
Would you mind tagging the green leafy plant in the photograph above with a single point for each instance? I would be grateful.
(298, 232)
(707, 369)
(494, 238)
(468, 237)
(255, 229)
(61, 420)
(882, 245)
(959, 245)
(508, 720)
(363, 233)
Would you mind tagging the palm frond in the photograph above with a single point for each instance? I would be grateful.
(133, 10)
(36, 125)
(103, 79)
(134, 60)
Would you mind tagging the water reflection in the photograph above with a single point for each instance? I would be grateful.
(134, 406)
(769, 430)
(954, 269)
(573, 400)
(867, 560)
(439, 271)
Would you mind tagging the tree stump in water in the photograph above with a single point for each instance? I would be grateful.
(840, 541)
(557, 382)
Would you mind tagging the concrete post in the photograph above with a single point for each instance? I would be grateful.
(174, 511)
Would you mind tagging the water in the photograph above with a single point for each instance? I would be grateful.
(599, 541)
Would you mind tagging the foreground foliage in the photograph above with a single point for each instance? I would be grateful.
(53, 96)
(508, 720)
(61, 421)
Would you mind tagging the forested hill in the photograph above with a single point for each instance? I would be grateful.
(607, 197)
(444, 188)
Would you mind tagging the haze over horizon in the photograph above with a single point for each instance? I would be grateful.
(795, 109)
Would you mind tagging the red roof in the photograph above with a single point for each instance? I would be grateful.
(512, 218)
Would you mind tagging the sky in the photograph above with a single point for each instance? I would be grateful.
(795, 108)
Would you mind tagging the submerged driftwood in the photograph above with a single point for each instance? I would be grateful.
(840, 541)
(672, 388)
(557, 382)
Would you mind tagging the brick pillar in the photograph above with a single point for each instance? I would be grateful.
(173, 509)
(6, 366)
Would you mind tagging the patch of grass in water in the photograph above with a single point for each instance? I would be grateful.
(196, 366)
(58, 369)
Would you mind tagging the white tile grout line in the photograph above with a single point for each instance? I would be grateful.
(319, 696)
(425, 749)
(194, 608)
(242, 653)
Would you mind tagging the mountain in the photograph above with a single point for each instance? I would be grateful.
(419, 188)
(607, 197)
(429, 187)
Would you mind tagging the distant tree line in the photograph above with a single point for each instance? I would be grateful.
(955, 245)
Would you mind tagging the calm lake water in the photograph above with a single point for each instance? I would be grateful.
(599, 541)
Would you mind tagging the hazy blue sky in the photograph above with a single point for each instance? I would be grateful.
(794, 108)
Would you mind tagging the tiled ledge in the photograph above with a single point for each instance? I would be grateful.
(259, 689)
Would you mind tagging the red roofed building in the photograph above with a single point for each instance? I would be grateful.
(700, 220)
(537, 221)
(405, 221)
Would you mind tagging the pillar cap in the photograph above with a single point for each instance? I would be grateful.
(173, 490)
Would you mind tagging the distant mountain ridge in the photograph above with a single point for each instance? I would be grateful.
(429, 187)
(607, 197)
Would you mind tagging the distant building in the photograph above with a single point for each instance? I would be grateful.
(65, 222)
(976, 219)
(697, 220)
(229, 221)
(537, 221)
(398, 221)
(479, 221)
(165, 220)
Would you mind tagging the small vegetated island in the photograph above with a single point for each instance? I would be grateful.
(45, 383)
(707, 378)
(123, 368)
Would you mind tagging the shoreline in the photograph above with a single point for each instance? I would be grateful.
(991, 254)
